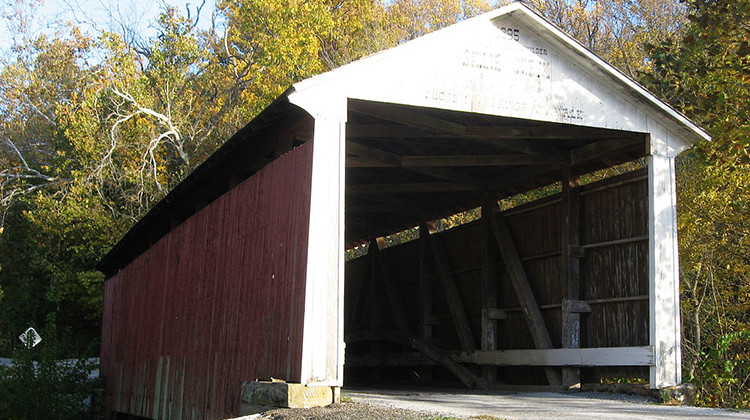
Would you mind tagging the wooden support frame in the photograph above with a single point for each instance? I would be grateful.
(596, 150)
(376, 300)
(447, 161)
(397, 306)
(458, 313)
(488, 288)
(498, 137)
(393, 159)
(413, 188)
(425, 297)
(359, 304)
(602, 356)
(412, 129)
(570, 233)
(428, 349)
(533, 315)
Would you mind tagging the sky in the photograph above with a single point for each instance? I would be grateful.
(109, 14)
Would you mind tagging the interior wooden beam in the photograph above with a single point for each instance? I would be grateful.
(541, 131)
(361, 162)
(517, 176)
(425, 296)
(477, 160)
(302, 129)
(359, 303)
(398, 202)
(382, 130)
(603, 148)
(458, 313)
(602, 356)
(377, 306)
(500, 137)
(411, 188)
(409, 117)
(495, 132)
(374, 208)
(358, 222)
(394, 297)
(570, 219)
(448, 161)
(428, 349)
(389, 360)
(389, 158)
(373, 153)
(419, 119)
(488, 290)
(521, 285)
(495, 313)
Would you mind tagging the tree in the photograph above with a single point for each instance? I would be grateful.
(97, 129)
(706, 75)
(409, 19)
(88, 148)
(617, 30)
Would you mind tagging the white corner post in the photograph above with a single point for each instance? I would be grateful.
(323, 334)
(664, 280)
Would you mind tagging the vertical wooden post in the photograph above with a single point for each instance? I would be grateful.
(425, 298)
(456, 306)
(517, 273)
(323, 338)
(571, 271)
(374, 289)
(391, 288)
(488, 290)
(664, 284)
(376, 303)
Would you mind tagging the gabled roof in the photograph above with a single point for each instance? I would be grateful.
(383, 76)
(496, 80)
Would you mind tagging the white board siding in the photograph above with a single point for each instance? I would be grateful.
(534, 73)
(664, 286)
(323, 337)
(604, 356)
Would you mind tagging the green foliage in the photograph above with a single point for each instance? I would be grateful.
(95, 129)
(617, 30)
(707, 73)
(707, 76)
(409, 19)
(723, 374)
(39, 385)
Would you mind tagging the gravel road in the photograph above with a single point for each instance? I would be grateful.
(538, 405)
(443, 404)
(345, 411)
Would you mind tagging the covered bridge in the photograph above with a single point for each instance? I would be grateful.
(241, 272)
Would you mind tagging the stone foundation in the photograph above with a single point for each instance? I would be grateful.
(260, 396)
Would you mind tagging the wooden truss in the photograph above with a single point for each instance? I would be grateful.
(562, 366)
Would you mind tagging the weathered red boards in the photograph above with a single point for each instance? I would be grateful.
(217, 301)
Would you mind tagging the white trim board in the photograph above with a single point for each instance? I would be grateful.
(600, 356)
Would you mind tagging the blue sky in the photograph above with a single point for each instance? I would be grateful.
(107, 14)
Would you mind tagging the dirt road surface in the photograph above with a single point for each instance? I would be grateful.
(537, 406)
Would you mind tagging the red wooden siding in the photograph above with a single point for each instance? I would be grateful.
(216, 302)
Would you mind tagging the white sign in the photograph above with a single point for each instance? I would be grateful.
(30, 337)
